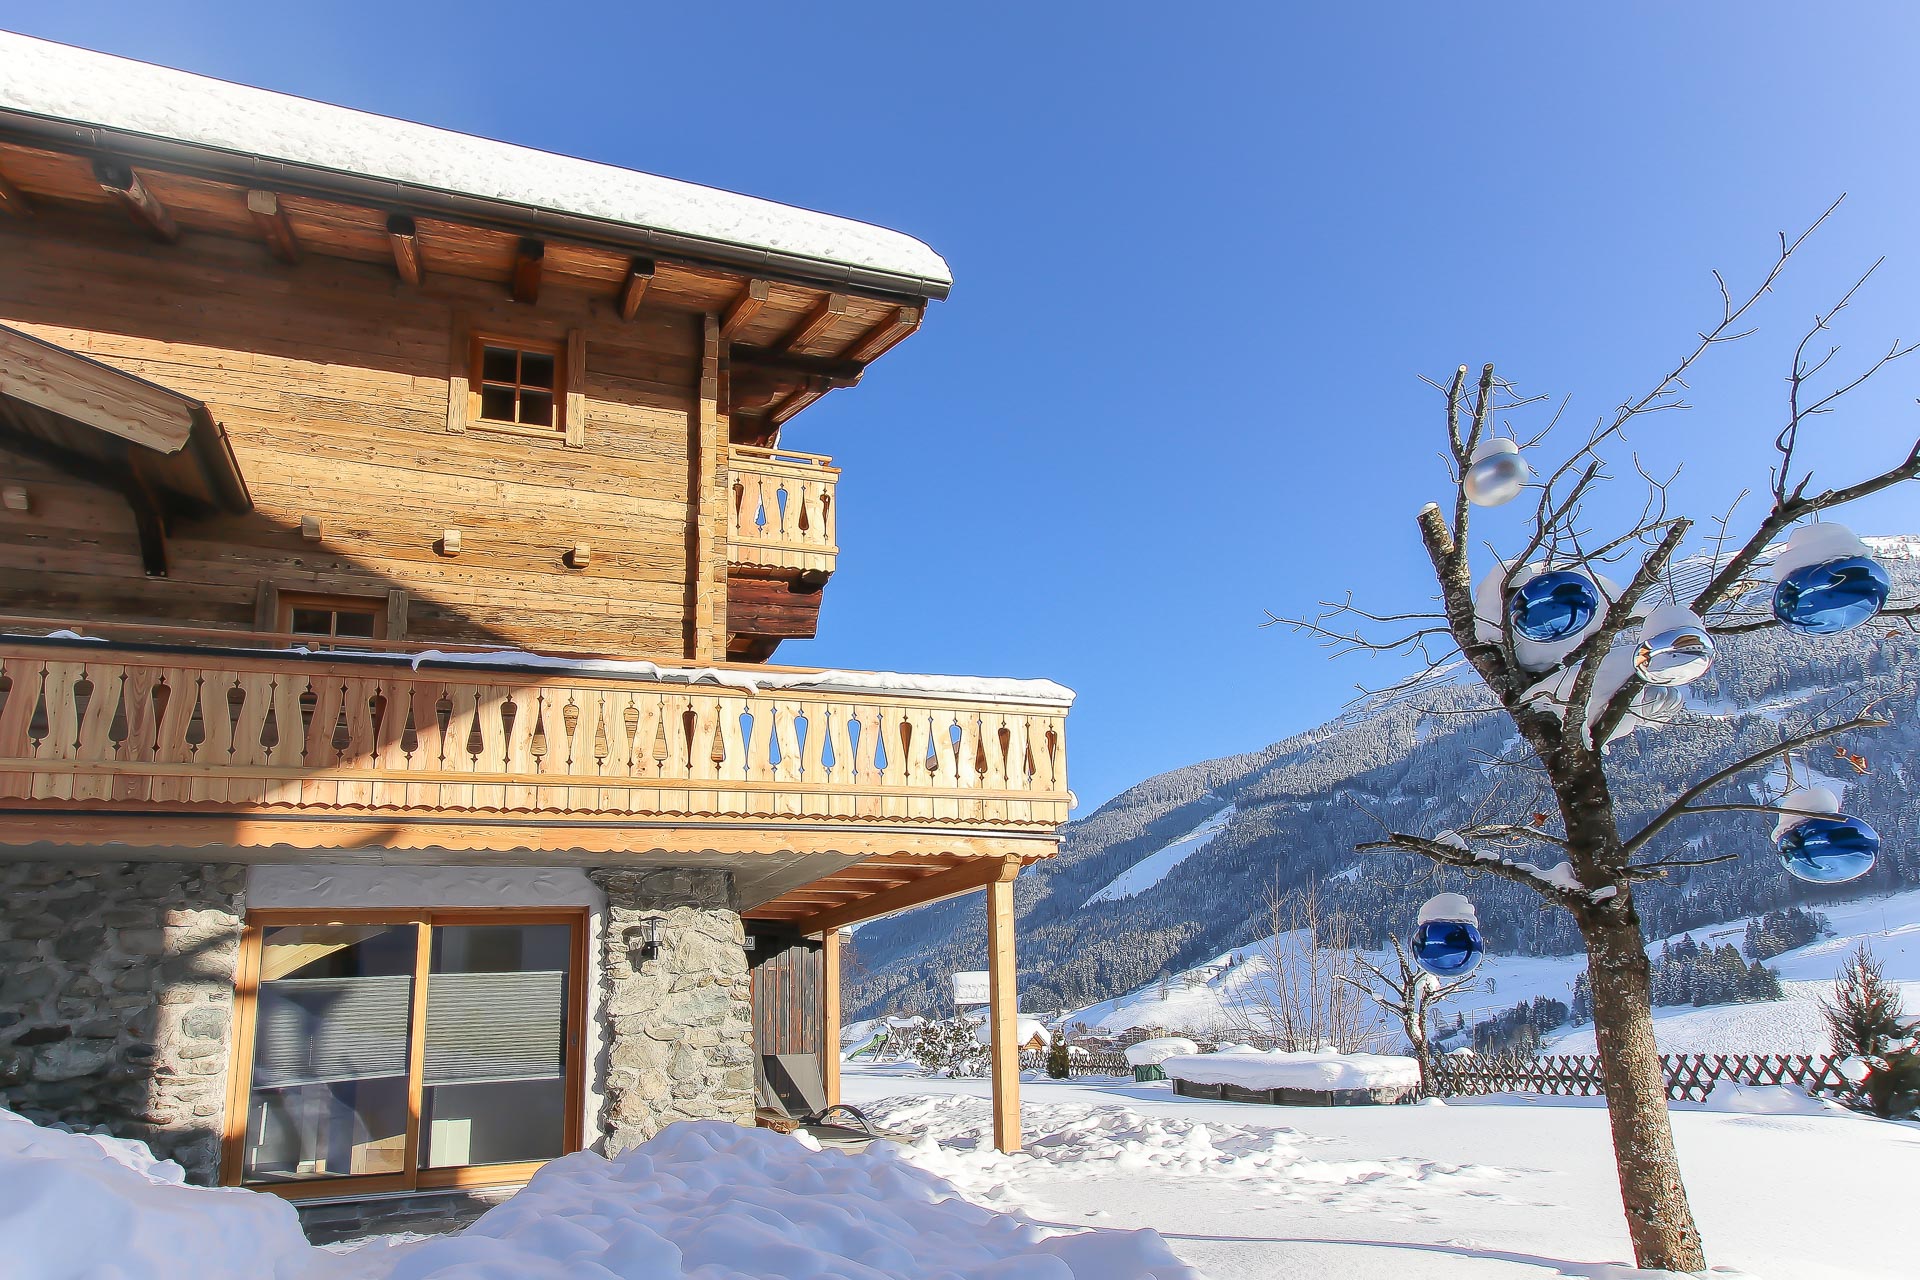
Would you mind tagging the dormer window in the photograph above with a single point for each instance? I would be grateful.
(517, 383)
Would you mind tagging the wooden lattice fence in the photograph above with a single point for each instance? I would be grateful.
(1690, 1076)
(1091, 1064)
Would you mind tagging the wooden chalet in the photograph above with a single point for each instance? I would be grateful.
(395, 530)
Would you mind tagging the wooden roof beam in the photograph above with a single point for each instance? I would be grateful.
(124, 185)
(744, 308)
(816, 323)
(527, 258)
(876, 341)
(403, 238)
(13, 200)
(797, 399)
(271, 221)
(976, 873)
(634, 288)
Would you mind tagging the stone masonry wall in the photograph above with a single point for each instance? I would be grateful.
(116, 999)
(679, 1026)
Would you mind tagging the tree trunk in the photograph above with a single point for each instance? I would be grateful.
(1658, 1216)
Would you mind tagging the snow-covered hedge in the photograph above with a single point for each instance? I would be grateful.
(1321, 1069)
(1149, 1053)
(702, 1199)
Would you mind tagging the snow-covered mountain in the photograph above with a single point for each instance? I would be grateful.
(1176, 871)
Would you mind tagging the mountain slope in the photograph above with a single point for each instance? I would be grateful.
(1420, 761)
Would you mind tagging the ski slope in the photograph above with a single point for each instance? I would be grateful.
(1153, 868)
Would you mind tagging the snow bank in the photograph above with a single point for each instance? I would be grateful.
(1279, 1069)
(710, 1199)
(80, 1205)
(706, 1199)
(63, 83)
(1150, 1053)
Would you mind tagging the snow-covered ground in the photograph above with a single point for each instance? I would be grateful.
(1784, 1188)
(707, 1200)
(1222, 992)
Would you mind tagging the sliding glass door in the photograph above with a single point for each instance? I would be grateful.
(393, 1050)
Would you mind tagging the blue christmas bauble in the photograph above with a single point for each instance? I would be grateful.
(1448, 948)
(1833, 596)
(1829, 850)
(1553, 605)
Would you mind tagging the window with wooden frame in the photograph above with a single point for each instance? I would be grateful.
(379, 1051)
(332, 617)
(520, 385)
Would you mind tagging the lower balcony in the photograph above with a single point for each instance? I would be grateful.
(830, 794)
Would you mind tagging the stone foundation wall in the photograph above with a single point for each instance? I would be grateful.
(116, 999)
(679, 1026)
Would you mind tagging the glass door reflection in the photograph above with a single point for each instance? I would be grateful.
(495, 1064)
(329, 1094)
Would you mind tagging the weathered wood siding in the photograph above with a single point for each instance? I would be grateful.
(332, 380)
(786, 993)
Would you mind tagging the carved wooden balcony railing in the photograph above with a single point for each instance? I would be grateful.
(781, 512)
(135, 728)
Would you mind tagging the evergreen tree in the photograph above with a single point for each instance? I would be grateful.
(1059, 1061)
(1881, 1046)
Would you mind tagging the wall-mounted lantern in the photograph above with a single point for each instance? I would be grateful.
(643, 941)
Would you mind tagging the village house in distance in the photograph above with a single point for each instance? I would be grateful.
(393, 793)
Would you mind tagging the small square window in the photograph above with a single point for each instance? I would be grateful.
(515, 383)
(333, 617)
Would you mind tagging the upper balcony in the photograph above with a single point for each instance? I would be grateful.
(782, 510)
(198, 739)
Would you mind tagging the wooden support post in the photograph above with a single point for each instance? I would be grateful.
(124, 185)
(1003, 991)
(706, 640)
(271, 221)
(527, 258)
(830, 1015)
(639, 276)
(406, 247)
(13, 200)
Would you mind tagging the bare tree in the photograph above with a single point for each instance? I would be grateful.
(1566, 711)
(1410, 994)
(1310, 1001)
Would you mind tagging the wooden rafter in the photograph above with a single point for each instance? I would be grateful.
(528, 256)
(13, 200)
(797, 399)
(744, 308)
(973, 874)
(816, 322)
(275, 229)
(124, 185)
(870, 345)
(404, 239)
(634, 288)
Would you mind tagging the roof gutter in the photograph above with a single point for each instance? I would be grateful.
(253, 169)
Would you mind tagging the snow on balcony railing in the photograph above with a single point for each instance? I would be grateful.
(781, 509)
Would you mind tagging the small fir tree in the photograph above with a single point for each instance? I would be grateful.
(1870, 1029)
(1059, 1064)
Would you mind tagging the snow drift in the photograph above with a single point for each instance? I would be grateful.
(703, 1199)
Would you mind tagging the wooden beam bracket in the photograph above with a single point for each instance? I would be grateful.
(527, 257)
(13, 200)
(976, 873)
(271, 220)
(743, 309)
(124, 185)
(639, 275)
(402, 237)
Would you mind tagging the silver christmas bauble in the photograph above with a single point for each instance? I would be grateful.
(1674, 649)
(1497, 473)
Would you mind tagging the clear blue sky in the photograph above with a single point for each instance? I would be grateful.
(1202, 256)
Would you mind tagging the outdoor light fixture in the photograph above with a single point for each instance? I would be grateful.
(644, 940)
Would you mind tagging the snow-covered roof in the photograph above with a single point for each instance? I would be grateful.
(1025, 1031)
(78, 86)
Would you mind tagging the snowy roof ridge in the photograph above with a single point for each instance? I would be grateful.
(61, 82)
